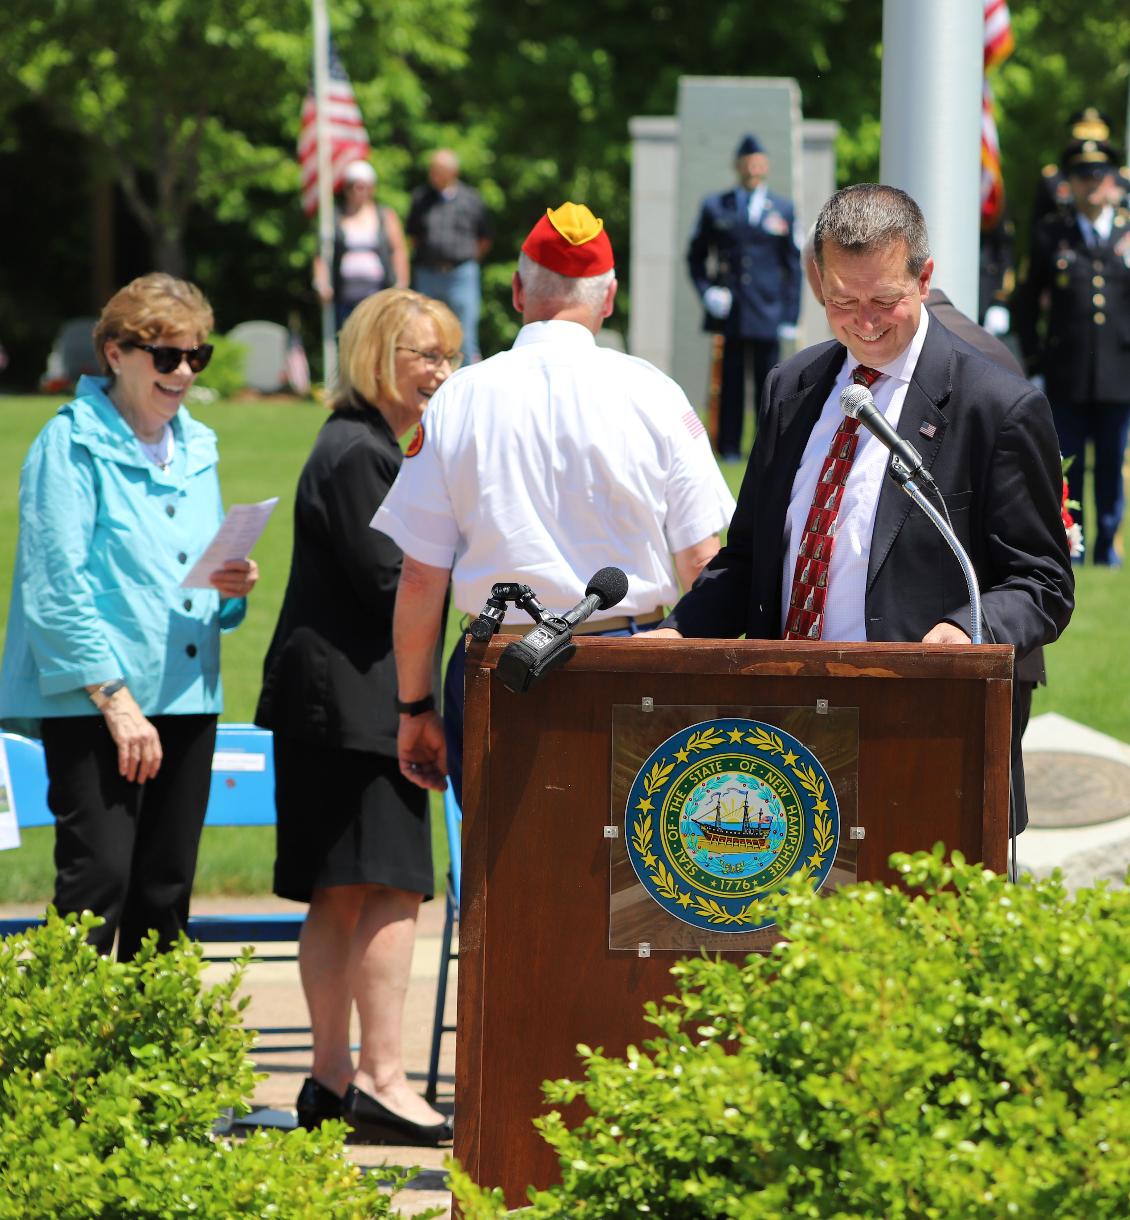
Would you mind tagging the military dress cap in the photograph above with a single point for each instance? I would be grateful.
(1083, 157)
(571, 241)
(1089, 124)
(748, 145)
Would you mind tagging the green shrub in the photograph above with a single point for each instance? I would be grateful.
(226, 373)
(112, 1076)
(958, 1053)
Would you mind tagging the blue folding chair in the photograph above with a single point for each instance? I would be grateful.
(453, 819)
(27, 769)
(242, 793)
(27, 772)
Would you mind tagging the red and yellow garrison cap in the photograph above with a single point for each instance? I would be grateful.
(571, 241)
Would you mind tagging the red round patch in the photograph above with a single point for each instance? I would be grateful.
(416, 443)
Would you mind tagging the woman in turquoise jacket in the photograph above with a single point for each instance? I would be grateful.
(108, 657)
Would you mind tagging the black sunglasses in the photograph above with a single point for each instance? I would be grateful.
(167, 359)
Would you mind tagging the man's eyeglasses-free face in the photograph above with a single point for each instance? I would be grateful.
(167, 359)
(435, 359)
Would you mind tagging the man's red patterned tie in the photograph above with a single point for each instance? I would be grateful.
(805, 619)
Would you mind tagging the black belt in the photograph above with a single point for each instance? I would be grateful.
(598, 626)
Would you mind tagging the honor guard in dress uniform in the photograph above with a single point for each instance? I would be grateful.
(1053, 190)
(541, 465)
(744, 261)
(1072, 314)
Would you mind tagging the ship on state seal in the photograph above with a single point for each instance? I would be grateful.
(723, 837)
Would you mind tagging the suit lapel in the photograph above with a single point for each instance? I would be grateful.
(797, 415)
(922, 422)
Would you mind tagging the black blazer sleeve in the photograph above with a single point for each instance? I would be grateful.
(368, 559)
(330, 674)
(1027, 593)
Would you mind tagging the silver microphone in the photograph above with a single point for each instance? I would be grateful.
(857, 403)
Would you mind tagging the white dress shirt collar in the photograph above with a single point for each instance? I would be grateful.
(556, 330)
(1099, 227)
(844, 614)
(758, 199)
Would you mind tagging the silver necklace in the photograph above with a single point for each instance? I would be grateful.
(160, 451)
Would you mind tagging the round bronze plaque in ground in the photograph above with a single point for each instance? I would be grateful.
(1066, 789)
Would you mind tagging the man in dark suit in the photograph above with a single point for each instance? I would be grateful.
(985, 435)
(1073, 316)
(1030, 670)
(744, 261)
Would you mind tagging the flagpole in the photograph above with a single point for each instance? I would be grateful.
(933, 57)
(325, 181)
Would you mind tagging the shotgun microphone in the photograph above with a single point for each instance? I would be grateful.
(550, 643)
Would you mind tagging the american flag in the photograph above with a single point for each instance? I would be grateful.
(998, 33)
(998, 46)
(349, 140)
(692, 422)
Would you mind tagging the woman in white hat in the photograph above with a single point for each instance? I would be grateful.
(370, 252)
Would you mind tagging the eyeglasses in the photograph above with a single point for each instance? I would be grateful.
(434, 359)
(167, 359)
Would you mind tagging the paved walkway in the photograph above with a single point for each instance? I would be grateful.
(276, 1001)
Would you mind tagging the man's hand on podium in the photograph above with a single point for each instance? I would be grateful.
(945, 633)
(660, 633)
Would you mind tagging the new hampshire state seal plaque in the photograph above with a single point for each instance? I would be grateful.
(721, 814)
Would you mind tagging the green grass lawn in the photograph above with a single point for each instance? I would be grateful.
(262, 448)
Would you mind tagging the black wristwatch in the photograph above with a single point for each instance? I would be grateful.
(109, 689)
(416, 707)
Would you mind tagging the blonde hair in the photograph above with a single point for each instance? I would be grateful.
(148, 307)
(369, 338)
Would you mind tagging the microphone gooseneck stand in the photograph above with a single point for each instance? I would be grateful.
(905, 480)
(898, 471)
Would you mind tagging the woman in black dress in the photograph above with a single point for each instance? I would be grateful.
(353, 834)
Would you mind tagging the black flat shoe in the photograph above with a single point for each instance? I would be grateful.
(316, 1104)
(377, 1124)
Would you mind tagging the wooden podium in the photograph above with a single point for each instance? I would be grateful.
(536, 974)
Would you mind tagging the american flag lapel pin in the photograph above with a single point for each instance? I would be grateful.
(927, 430)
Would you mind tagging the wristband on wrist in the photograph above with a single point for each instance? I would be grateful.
(107, 691)
(416, 707)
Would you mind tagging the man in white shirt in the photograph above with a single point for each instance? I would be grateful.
(540, 466)
(823, 546)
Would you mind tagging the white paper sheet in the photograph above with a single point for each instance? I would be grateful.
(9, 827)
(234, 539)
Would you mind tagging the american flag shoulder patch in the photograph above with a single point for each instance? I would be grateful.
(693, 423)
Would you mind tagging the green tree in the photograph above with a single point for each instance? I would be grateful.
(1065, 58)
(549, 120)
(195, 102)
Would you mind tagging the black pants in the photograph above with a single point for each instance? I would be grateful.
(731, 398)
(123, 850)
